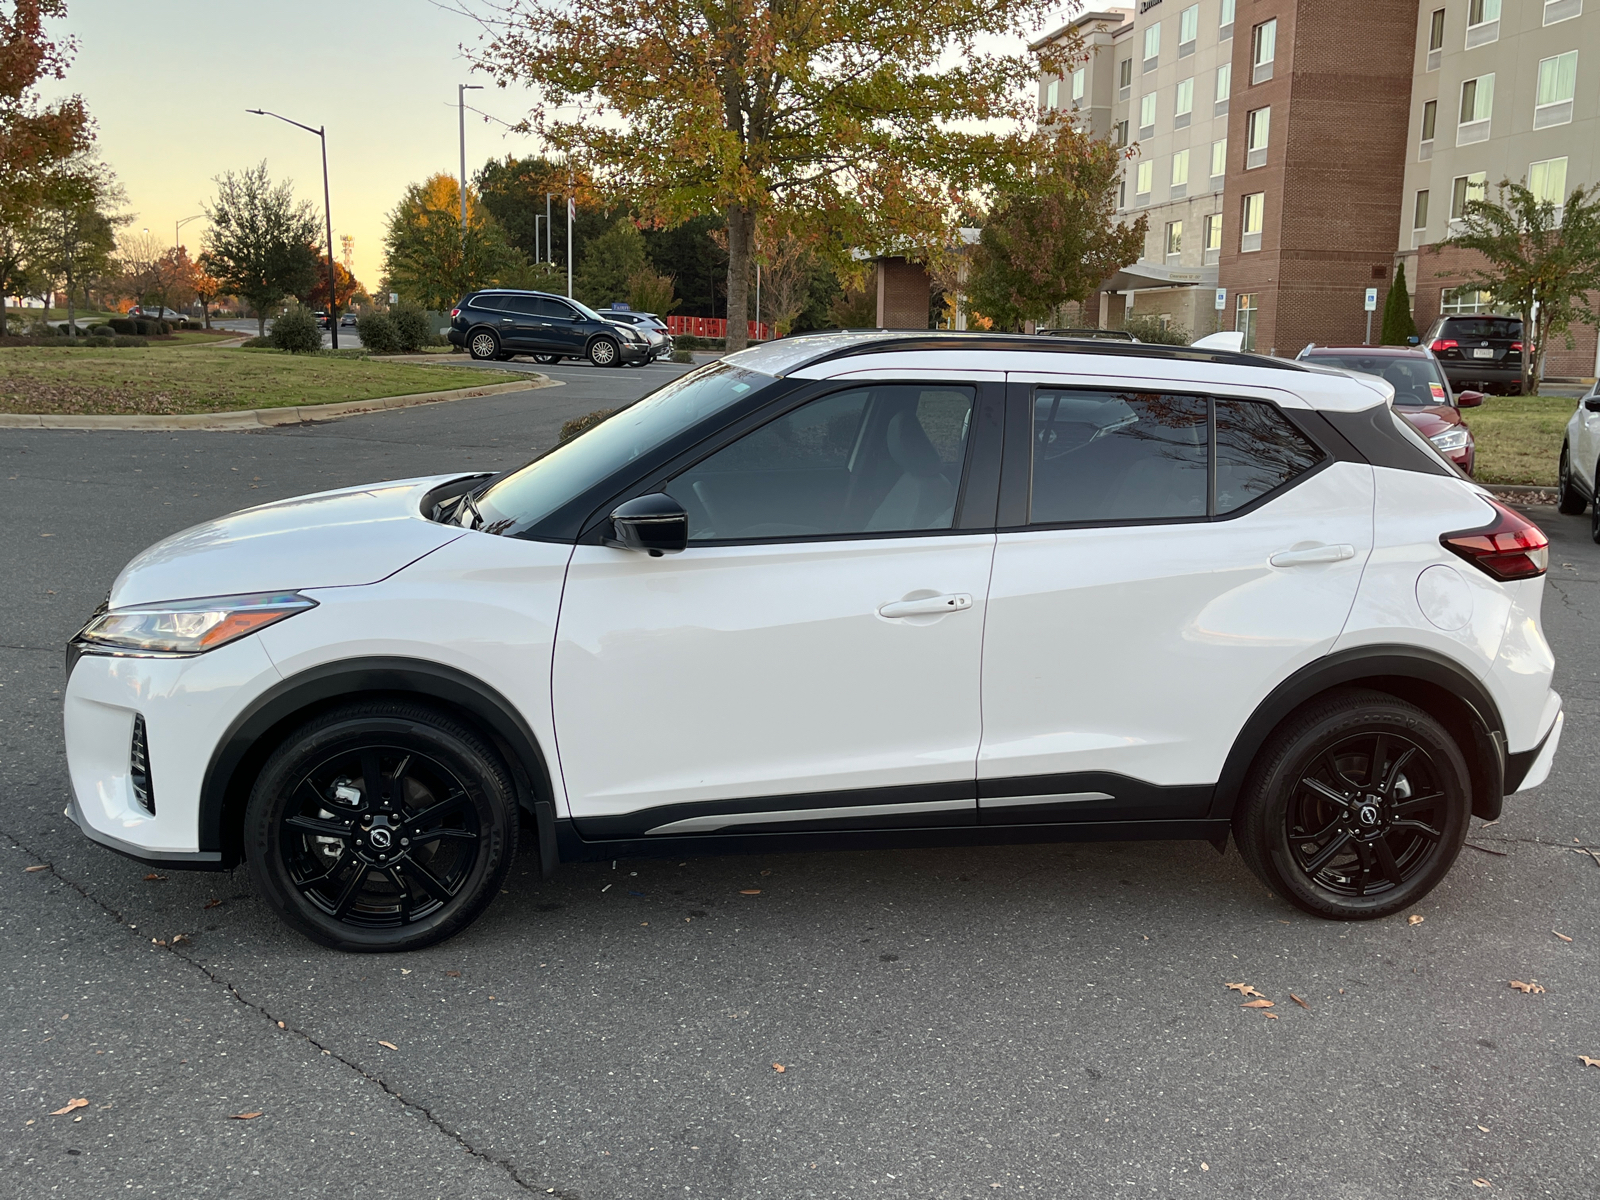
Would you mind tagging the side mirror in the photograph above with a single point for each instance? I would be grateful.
(1469, 399)
(1592, 403)
(1413, 340)
(656, 524)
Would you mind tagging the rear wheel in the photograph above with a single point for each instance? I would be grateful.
(604, 352)
(1569, 500)
(484, 344)
(548, 360)
(381, 826)
(1356, 807)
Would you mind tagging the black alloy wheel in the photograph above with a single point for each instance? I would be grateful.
(484, 345)
(548, 360)
(1568, 500)
(1356, 807)
(381, 826)
(604, 352)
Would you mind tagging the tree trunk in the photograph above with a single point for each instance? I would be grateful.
(1529, 348)
(261, 321)
(741, 243)
(72, 310)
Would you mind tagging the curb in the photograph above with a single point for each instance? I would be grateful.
(1527, 494)
(267, 418)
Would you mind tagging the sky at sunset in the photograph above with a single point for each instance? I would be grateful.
(168, 85)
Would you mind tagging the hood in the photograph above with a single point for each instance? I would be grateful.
(330, 539)
(1430, 419)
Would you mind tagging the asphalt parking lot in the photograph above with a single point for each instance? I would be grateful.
(1050, 1021)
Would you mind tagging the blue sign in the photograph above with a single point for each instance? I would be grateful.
(619, 306)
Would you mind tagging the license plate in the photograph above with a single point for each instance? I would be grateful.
(1483, 354)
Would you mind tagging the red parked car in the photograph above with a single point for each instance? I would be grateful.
(1421, 392)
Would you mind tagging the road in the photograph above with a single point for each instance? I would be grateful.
(1043, 1021)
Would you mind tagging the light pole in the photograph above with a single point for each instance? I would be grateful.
(461, 115)
(548, 257)
(327, 212)
(177, 225)
(536, 219)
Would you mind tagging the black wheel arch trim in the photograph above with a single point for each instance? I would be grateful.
(1411, 673)
(248, 740)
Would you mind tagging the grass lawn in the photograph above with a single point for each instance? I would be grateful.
(174, 378)
(1519, 437)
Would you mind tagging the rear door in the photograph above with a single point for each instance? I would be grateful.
(1163, 561)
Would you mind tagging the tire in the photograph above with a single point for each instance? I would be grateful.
(548, 360)
(1568, 500)
(484, 344)
(604, 352)
(1317, 828)
(360, 874)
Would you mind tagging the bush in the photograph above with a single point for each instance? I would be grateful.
(101, 331)
(577, 425)
(96, 341)
(296, 331)
(378, 333)
(412, 328)
(129, 343)
(122, 325)
(190, 325)
(1149, 329)
(256, 343)
(682, 356)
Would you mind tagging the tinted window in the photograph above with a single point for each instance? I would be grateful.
(1257, 451)
(1117, 456)
(1482, 327)
(491, 300)
(546, 307)
(1416, 380)
(526, 305)
(883, 459)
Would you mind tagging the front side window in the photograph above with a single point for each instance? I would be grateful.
(880, 459)
(1547, 181)
(1558, 83)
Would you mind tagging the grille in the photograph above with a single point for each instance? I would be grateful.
(139, 768)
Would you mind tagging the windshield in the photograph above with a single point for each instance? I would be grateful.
(566, 471)
(584, 309)
(1416, 381)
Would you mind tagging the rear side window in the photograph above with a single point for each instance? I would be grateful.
(1124, 456)
(490, 300)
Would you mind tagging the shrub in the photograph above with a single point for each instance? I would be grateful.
(129, 343)
(378, 333)
(577, 425)
(296, 331)
(1149, 329)
(101, 331)
(412, 328)
(682, 356)
(122, 325)
(255, 343)
(97, 341)
(190, 325)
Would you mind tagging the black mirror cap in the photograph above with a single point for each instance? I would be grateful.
(1592, 403)
(655, 524)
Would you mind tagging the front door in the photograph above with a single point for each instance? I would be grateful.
(1170, 558)
(562, 329)
(811, 662)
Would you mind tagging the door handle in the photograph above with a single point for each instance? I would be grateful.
(926, 607)
(1312, 554)
(508, 320)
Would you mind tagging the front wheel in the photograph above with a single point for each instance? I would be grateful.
(484, 345)
(547, 360)
(381, 826)
(1356, 807)
(1569, 500)
(603, 352)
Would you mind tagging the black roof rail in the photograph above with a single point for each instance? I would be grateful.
(889, 343)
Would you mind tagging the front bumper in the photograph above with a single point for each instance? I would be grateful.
(632, 353)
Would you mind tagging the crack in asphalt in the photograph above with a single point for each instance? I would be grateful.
(282, 1027)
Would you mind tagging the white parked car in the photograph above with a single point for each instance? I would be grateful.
(1580, 460)
(842, 590)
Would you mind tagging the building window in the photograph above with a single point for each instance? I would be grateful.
(1547, 181)
(1483, 22)
(1213, 247)
(1119, 133)
(1188, 29)
(1464, 301)
(1224, 89)
(1464, 189)
(1052, 94)
(1124, 78)
(1174, 240)
(1477, 103)
(1436, 39)
(1180, 173)
(1419, 218)
(1147, 115)
(1152, 45)
(1244, 318)
(1255, 210)
(1183, 110)
(1256, 123)
(1226, 30)
(1078, 85)
(1430, 118)
(1558, 80)
(1122, 193)
(1146, 178)
(1219, 160)
(1561, 10)
(1263, 49)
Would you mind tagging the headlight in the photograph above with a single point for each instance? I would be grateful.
(630, 334)
(189, 626)
(1451, 439)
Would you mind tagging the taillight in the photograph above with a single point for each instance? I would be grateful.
(1516, 345)
(1513, 547)
(1443, 344)
(454, 313)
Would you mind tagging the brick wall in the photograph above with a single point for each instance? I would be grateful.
(904, 289)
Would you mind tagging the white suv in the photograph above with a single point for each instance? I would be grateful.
(845, 590)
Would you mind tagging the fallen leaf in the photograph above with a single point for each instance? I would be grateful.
(778, 1067)
(1525, 988)
(212, 903)
(40, 867)
(157, 942)
(180, 937)
(1589, 1062)
(750, 892)
(1270, 1016)
(453, 974)
(1481, 1183)
(391, 1045)
(1244, 989)
(1483, 1129)
(1562, 936)
(1415, 919)
(405, 970)
(70, 1105)
(154, 878)
(1256, 1004)
(1205, 1166)
(1299, 1001)
(244, 1116)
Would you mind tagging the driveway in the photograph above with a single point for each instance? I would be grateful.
(1041, 1020)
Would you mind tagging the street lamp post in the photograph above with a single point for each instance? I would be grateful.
(178, 225)
(536, 219)
(327, 212)
(461, 115)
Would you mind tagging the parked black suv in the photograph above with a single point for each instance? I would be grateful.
(1481, 351)
(500, 323)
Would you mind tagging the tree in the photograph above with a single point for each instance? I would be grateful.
(1398, 327)
(514, 191)
(863, 119)
(788, 265)
(429, 259)
(139, 255)
(346, 285)
(651, 293)
(1052, 238)
(609, 264)
(207, 287)
(1535, 262)
(262, 242)
(77, 235)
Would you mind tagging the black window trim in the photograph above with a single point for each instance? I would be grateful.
(975, 501)
(1017, 473)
